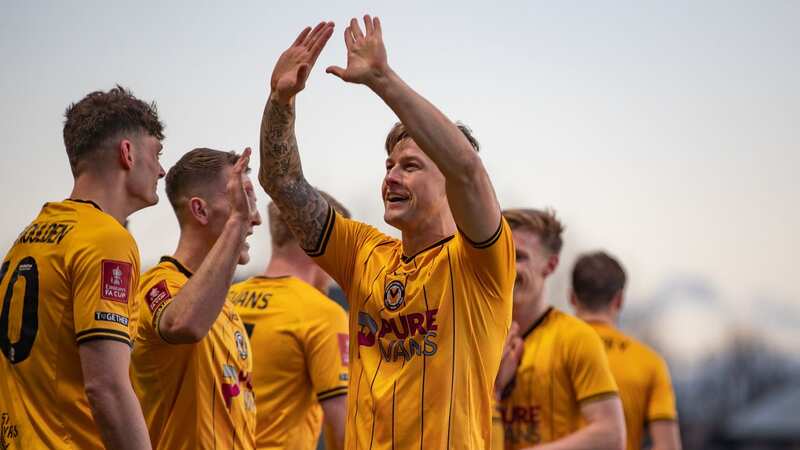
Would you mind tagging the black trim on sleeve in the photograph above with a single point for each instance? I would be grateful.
(331, 393)
(488, 242)
(181, 268)
(102, 330)
(322, 243)
(103, 337)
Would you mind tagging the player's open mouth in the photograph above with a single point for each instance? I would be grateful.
(396, 198)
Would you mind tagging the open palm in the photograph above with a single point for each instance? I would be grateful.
(291, 71)
(366, 54)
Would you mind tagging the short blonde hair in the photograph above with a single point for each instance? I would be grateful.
(543, 223)
(399, 133)
(279, 229)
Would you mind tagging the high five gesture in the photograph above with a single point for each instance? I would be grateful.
(366, 54)
(292, 69)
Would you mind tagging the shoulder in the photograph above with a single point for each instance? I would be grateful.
(312, 303)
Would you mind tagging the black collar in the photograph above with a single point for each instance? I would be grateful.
(407, 259)
(85, 201)
(181, 268)
(538, 322)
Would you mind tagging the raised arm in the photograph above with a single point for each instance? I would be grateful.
(195, 308)
(280, 174)
(469, 191)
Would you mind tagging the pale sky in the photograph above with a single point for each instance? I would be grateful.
(664, 132)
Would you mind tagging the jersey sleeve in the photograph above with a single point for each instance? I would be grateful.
(662, 398)
(105, 274)
(326, 346)
(588, 366)
(493, 260)
(341, 243)
(156, 295)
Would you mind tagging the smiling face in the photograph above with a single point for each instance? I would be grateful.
(413, 188)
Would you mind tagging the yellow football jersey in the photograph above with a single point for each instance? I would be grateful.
(426, 334)
(193, 395)
(69, 278)
(644, 382)
(301, 339)
(563, 365)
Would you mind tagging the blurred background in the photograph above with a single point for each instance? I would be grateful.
(664, 133)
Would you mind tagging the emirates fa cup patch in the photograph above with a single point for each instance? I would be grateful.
(157, 295)
(344, 348)
(115, 280)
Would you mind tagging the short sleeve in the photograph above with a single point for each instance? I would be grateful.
(155, 295)
(492, 261)
(588, 365)
(339, 245)
(105, 274)
(326, 345)
(662, 397)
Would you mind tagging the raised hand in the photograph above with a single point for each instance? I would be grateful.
(366, 54)
(242, 202)
(512, 354)
(291, 71)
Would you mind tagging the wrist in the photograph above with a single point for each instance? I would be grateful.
(281, 98)
(382, 81)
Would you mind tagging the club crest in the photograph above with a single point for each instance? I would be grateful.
(394, 295)
(241, 345)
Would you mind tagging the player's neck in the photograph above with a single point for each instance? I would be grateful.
(427, 234)
(287, 262)
(528, 313)
(108, 195)
(192, 249)
(601, 317)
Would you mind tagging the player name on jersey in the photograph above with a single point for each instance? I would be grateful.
(44, 233)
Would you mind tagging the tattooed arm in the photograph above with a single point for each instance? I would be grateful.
(281, 173)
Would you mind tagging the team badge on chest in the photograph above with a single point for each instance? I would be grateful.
(241, 345)
(394, 295)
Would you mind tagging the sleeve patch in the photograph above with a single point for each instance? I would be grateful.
(157, 295)
(344, 348)
(115, 280)
(111, 317)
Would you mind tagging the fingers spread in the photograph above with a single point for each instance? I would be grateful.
(335, 70)
(348, 39)
(301, 36)
(313, 34)
(319, 44)
(368, 25)
(356, 30)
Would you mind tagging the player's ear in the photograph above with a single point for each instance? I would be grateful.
(573, 299)
(552, 264)
(198, 208)
(617, 301)
(125, 152)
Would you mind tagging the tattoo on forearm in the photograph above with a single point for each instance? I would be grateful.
(281, 175)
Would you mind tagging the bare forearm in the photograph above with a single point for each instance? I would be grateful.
(592, 437)
(665, 435)
(281, 175)
(435, 134)
(118, 416)
(194, 310)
